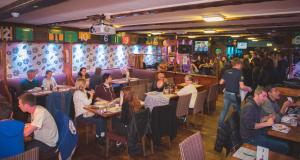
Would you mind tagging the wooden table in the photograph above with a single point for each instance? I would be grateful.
(199, 87)
(292, 136)
(124, 80)
(60, 88)
(290, 92)
(272, 155)
(106, 115)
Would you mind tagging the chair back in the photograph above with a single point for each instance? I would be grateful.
(199, 104)
(68, 137)
(133, 83)
(140, 90)
(142, 120)
(213, 92)
(171, 80)
(192, 148)
(32, 154)
(183, 105)
(148, 86)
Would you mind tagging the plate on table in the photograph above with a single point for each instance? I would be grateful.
(101, 102)
(280, 127)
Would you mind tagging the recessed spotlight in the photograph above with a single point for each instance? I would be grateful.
(235, 36)
(209, 31)
(191, 37)
(213, 18)
(254, 40)
(35, 6)
(251, 38)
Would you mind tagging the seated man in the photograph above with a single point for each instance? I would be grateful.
(30, 82)
(105, 90)
(251, 127)
(189, 89)
(43, 127)
(11, 133)
(271, 105)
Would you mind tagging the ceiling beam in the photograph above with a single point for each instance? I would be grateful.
(290, 15)
(263, 25)
(170, 9)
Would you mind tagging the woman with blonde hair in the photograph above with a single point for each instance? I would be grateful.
(159, 83)
(81, 100)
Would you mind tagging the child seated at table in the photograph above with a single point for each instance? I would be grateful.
(49, 82)
(81, 100)
(11, 133)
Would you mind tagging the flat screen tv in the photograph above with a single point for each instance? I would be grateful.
(201, 46)
(241, 45)
(185, 49)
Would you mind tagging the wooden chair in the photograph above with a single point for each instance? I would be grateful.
(140, 91)
(183, 105)
(133, 83)
(212, 97)
(88, 128)
(32, 154)
(199, 107)
(192, 148)
(112, 135)
(200, 100)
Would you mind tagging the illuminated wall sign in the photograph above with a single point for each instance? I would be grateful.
(6, 33)
(84, 36)
(24, 34)
(56, 35)
(71, 36)
(155, 41)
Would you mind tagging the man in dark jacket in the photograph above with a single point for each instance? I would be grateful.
(251, 127)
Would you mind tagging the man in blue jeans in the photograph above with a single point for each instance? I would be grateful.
(252, 128)
(233, 80)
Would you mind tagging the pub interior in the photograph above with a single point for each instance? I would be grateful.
(171, 79)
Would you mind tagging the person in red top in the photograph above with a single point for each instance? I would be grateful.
(105, 90)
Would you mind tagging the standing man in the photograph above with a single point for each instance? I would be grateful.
(42, 126)
(233, 80)
(252, 124)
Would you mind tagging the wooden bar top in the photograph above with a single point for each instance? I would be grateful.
(272, 155)
(293, 135)
(291, 92)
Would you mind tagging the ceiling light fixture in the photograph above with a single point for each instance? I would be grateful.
(213, 18)
(251, 38)
(156, 33)
(254, 40)
(191, 37)
(209, 31)
(235, 36)
(15, 14)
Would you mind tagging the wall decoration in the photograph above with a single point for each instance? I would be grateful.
(105, 39)
(155, 41)
(40, 34)
(6, 33)
(95, 55)
(84, 36)
(24, 34)
(70, 36)
(126, 40)
(116, 39)
(22, 57)
(56, 35)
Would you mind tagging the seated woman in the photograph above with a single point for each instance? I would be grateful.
(49, 82)
(82, 74)
(160, 83)
(81, 100)
(105, 90)
(131, 104)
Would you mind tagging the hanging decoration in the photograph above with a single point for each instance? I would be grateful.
(84, 36)
(56, 35)
(71, 36)
(126, 40)
(6, 33)
(24, 34)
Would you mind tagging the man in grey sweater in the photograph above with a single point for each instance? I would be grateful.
(271, 105)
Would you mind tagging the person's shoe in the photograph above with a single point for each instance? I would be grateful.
(100, 140)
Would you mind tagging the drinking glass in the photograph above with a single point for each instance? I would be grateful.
(294, 122)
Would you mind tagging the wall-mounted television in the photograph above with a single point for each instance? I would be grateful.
(185, 49)
(201, 46)
(241, 45)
